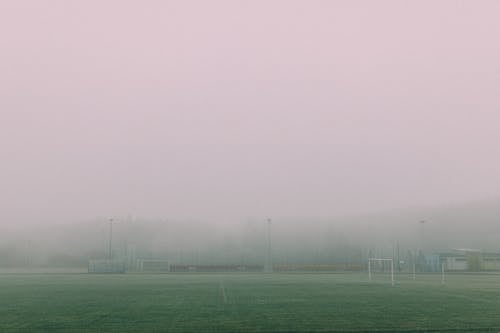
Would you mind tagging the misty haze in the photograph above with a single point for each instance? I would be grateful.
(249, 166)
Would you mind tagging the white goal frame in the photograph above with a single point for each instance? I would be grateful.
(380, 259)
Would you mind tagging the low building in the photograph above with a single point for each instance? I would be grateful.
(470, 260)
(453, 261)
(490, 262)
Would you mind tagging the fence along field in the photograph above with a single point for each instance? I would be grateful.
(247, 302)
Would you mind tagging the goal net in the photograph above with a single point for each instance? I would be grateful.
(381, 267)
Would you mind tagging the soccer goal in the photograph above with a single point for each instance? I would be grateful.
(380, 266)
(153, 265)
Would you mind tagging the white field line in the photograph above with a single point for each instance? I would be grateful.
(223, 291)
(178, 316)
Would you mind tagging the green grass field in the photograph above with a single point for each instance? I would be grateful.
(247, 303)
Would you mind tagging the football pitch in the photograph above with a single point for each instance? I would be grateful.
(247, 303)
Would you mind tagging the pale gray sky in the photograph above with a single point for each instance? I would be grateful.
(229, 109)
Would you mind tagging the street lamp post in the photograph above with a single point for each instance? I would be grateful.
(422, 235)
(110, 245)
(421, 252)
(269, 262)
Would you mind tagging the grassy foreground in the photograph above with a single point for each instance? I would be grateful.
(246, 303)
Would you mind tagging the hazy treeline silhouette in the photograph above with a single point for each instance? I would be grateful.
(348, 240)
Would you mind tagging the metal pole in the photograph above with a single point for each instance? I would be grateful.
(369, 269)
(110, 251)
(399, 260)
(442, 274)
(422, 235)
(414, 263)
(422, 245)
(392, 272)
(269, 260)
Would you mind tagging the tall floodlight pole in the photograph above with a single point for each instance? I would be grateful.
(392, 272)
(110, 250)
(422, 243)
(399, 260)
(422, 236)
(269, 267)
(414, 263)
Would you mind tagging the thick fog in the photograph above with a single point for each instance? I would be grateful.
(192, 122)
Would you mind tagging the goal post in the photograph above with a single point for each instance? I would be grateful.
(380, 260)
(442, 274)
